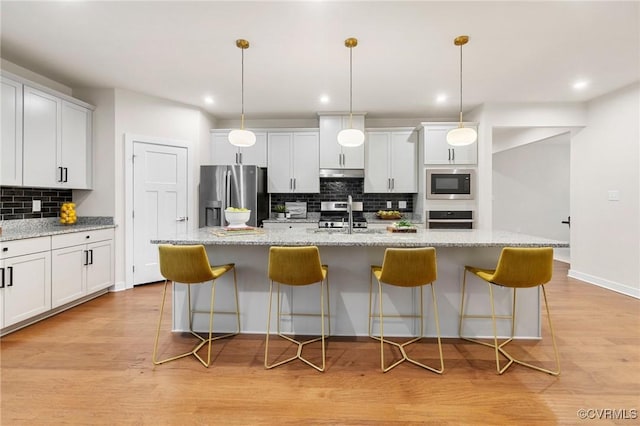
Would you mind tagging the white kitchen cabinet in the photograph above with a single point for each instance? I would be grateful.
(11, 142)
(293, 160)
(56, 142)
(289, 225)
(391, 161)
(81, 264)
(438, 151)
(224, 154)
(332, 154)
(25, 279)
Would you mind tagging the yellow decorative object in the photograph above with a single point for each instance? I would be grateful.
(68, 214)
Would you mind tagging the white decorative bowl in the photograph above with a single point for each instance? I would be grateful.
(237, 219)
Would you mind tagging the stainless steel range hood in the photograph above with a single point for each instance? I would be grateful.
(342, 173)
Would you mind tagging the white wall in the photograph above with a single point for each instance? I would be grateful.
(605, 156)
(37, 78)
(490, 116)
(101, 200)
(144, 115)
(531, 188)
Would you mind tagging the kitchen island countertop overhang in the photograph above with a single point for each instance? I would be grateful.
(371, 237)
(350, 257)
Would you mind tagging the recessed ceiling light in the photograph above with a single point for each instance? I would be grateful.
(441, 98)
(208, 100)
(580, 84)
(324, 99)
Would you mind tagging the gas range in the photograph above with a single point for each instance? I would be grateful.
(334, 214)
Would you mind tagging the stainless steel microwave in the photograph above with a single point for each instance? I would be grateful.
(450, 184)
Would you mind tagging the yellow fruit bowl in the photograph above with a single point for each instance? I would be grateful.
(68, 214)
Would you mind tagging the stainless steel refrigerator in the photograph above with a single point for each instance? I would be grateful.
(232, 186)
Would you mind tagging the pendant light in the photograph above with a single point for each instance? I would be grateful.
(351, 137)
(241, 137)
(461, 135)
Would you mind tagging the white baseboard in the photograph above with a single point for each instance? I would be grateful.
(604, 283)
(119, 286)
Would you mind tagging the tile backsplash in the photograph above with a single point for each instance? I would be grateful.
(339, 189)
(17, 202)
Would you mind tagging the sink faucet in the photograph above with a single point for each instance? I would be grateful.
(350, 211)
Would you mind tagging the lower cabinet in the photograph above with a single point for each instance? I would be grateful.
(81, 264)
(289, 225)
(25, 279)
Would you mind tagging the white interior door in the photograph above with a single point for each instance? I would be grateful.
(159, 203)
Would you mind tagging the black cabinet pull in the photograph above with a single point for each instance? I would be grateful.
(2, 280)
(65, 174)
(86, 257)
(88, 236)
(91, 254)
(60, 170)
(10, 268)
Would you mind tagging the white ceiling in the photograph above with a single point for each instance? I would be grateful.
(518, 52)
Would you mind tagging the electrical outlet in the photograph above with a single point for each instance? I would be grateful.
(613, 195)
(36, 206)
(402, 204)
(389, 204)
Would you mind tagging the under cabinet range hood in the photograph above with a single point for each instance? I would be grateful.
(342, 173)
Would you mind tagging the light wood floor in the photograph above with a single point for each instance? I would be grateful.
(92, 365)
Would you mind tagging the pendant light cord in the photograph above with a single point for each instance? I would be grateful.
(351, 87)
(460, 86)
(242, 91)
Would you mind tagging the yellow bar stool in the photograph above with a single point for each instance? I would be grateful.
(405, 267)
(517, 268)
(297, 266)
(190, 265)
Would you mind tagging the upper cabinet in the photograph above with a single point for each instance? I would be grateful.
(438, 151)
(391, 161)
(56, 142)
(332, 154)
(224, 154)
(11, 142)
(293, 159)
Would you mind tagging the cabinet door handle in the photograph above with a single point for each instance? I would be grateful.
(294, 184)
(86, 257)
(10, 268)
(240, 158)
(60, 170)
(453, 154)
(236, 158)
(91, 256)
(2, 280)
(393, 183)
(66, 172)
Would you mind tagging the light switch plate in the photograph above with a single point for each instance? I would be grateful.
(614, 195)
(36, 206)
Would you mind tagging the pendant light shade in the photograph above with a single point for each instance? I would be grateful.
(241, 137)
(351, 137)
(461, 136)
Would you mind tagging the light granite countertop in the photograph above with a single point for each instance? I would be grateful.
(33, 228)
(372, 237)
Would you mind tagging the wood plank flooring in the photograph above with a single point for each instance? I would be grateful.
(92, 365)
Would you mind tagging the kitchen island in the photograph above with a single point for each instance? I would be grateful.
(349, 257)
